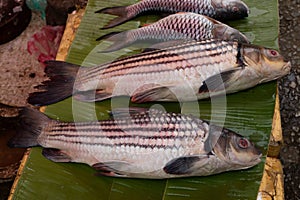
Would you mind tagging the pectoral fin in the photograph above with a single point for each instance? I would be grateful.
(113, 168)
(183, 165)
(152, 92)
(92, 96)
(56, 155)
(220, 81)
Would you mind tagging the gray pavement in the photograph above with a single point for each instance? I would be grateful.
(289, 92)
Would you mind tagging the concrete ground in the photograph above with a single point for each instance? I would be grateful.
(289, 41)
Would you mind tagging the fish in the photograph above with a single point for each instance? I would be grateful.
(178, 27)
(139, 143)
(222, 10)
(187, 72)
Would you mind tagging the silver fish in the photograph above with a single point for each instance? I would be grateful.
(143, 144)
(186, 72)
(180, 26)
(218, 9)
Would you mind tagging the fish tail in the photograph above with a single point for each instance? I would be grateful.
(31, 126)
(119, 39)
(119, 11)
(61, 76)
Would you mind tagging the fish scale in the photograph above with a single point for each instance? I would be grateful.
(123, 134)
(203, 7)
(159, 131)
(220, 10)
(196, 27)
(167, 145)
(163, 60)
(204, 57)
(158, 124)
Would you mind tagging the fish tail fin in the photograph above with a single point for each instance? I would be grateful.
(108, 36)
(119, 11)
(119, 39)
(31, 124)
(61, 76)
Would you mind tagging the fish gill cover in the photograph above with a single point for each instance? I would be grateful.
(248, 113)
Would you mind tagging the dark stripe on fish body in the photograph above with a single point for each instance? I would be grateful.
(165, 69)
(172, 130)
(119, 140)
(165, 62)
(118, 144)
(115, 130)
(164, 52)
(156, 55)
(163, 131)
(121, 136)
(160, 121)
(92, 73)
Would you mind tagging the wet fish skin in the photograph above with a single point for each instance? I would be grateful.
(180, 26)
(187, 72)
(139, 143)
(230, 10)
(218, 9)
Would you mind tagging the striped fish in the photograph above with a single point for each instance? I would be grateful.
(218, 9)
(178, 27)
(186, 72)
(140, 144)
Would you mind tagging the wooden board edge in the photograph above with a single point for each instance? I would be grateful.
(276, 139)
(271, 187)
(20, 171)
(72, 25)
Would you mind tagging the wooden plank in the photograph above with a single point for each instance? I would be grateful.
(271, 187)
(20, 171)
(276, 139)
(72, 25)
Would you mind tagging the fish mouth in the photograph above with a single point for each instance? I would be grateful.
(240, 9)
(245, 8)
(258, 158)
(287, 67)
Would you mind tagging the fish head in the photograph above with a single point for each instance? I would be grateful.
(224, 32)
(237, 151)
(230, 9)
(268, 63)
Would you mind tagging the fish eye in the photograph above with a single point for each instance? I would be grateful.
(235, 9)
(273, 53)
(243, 143)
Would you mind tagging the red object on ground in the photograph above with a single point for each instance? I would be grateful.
(44, 44)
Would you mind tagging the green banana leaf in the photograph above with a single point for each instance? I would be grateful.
(248, 113)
